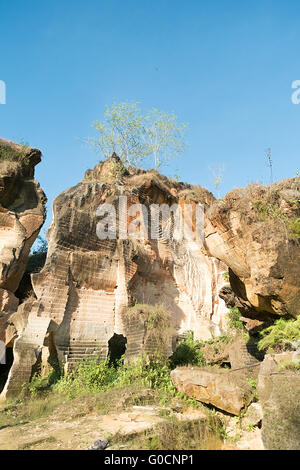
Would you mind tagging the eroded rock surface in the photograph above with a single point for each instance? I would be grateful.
(226, 390)
(87, 283)
(256, 232)
(279, 396)
(22, 214)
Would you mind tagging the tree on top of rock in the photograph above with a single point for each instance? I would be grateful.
(140, 140)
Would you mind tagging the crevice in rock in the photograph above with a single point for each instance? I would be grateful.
(116, 348)
(5, 368)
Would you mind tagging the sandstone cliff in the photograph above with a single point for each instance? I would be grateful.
(22, 214)
(88, 283)
(256, 232)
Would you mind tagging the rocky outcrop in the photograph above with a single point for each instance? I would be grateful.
(256, 232)
(90, 281)
(22, 214)
(87, 282)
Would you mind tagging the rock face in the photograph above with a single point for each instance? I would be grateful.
(22, 214)
(256, 232)
(88, 282)
(279, 395)
(226, 390)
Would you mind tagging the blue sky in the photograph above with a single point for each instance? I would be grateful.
(224, 67)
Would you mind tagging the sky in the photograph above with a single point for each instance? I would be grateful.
(224, 68)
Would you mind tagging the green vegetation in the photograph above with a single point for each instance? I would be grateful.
(10, 153)
(135, 137)
(38, 256)
(92, 377)
(289, 365)
(270, 209)
(294, 229)
(250, 427)
(253, 385)
(280, 336)
(174, 434)
(235, 322)
(187, 352)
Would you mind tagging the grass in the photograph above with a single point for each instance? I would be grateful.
(174, 434)
(111, 387)
(107, 386)
(270, 209)
(9, 153)
(22, 411)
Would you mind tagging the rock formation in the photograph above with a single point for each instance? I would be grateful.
(22, 214)
(279, 395)
(255, 231)
(88, 283)
(228, 391)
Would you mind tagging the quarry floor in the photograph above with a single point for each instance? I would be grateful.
(71, 426)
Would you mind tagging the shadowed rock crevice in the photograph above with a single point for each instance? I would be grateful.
(5, 368)
(116, 348)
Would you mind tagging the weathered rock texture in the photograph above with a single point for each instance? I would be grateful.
(256, 232)
(22, 214)
(87, 283)
(279, 396)
(226, 390)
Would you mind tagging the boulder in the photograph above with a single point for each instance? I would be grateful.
(228, 391)
(253, 415)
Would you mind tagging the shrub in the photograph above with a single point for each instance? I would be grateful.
(12, 153)
(270, 209)
(87, 377)
(156, 322)
(234, 316)
(187, 352)
(294, 229)
(280, 335)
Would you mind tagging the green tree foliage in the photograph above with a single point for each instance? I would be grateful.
(139, 139)
(38, 256)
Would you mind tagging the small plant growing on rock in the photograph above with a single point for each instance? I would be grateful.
(235, 322)
(13, 153)
(187, 352)
(280, 336)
